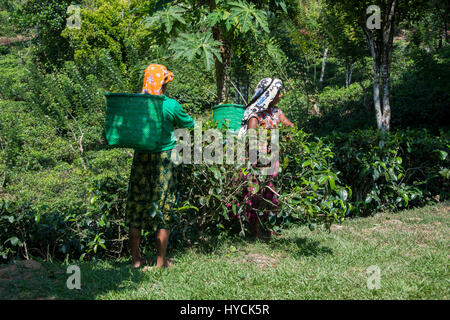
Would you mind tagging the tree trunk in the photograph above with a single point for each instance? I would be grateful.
(348, 73)
(376, 96)
(381, 50)
(221, 67)
(388, 40)
(324, 62)
(246, 89)
(237, 97)
(367, 106)
(376, 82)
(221, 72)
(446, 31)
(386, 79)
(443, 16)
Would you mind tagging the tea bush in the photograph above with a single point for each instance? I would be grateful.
(389, 171)
(90, 223)
(70, 230)
(321, 181)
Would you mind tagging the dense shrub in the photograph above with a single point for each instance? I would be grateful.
(92, 223)
(12, 84)
(321, 181)
(48, 18)
(193, 88)
(309, 190)
(420, 96)
(71, 230)
(342, 110)
(314, 189)
(389, 171)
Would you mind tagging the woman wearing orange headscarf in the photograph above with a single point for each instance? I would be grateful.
(156, 78)
(153, 192)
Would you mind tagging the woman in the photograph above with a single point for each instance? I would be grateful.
(152, 192)
(262, 112)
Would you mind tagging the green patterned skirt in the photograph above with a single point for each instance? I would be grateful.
(152, 191)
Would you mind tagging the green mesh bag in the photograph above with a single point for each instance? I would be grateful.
(134, 121)
(233, 113)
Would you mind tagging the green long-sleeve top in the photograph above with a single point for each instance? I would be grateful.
(173, 115)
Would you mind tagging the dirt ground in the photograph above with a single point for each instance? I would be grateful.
(21, 272)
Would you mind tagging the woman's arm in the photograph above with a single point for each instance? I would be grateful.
(253, 123)
(286, 121)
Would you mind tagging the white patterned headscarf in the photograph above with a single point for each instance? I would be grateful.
(265, 92)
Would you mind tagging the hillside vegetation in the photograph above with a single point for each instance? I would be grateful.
(63, 189)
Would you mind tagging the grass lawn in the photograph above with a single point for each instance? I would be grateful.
(410, 248)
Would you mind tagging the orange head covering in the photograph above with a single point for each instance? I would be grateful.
(156, 76)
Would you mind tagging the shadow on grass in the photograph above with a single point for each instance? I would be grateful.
(100, 278)
(109, 279)
(296, 247)
(300, 247)
(50, 281)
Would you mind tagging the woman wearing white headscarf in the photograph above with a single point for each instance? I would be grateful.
(262, 108)
(262, 112)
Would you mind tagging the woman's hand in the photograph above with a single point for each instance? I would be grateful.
(286, 121)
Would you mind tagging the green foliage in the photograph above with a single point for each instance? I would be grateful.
(197, 45)
(341, 110)
(12, 77)
(74, 230)
(389, 171)
(309, 182)
(110, 26)
(192, 87)
(73, 103)
(6, 8)
(421, 91)
(29, 143)
(307, 31)
(168, 17)
(211, 31)
(63, 191)
(48, 18)
(346, 39)
(247, 17)
(89, 220)
(310, 190)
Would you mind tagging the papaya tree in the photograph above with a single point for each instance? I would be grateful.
(211, 29)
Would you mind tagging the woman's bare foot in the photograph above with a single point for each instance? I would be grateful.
(138, 263)
(168, 263)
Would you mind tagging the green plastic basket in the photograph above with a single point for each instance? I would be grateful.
(135, 121)
(233, 113)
